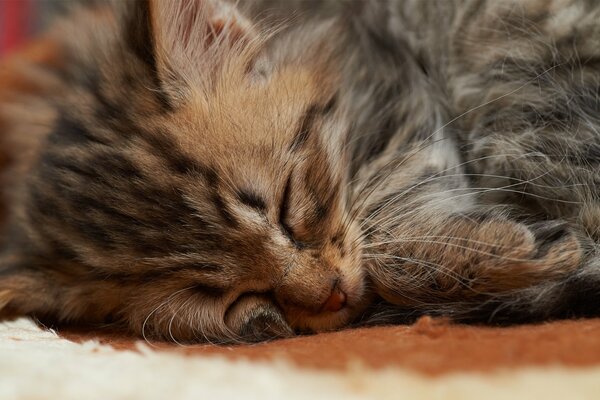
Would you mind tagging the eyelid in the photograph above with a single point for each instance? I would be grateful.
(284, 207)
(283, 210)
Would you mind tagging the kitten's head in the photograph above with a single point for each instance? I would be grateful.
(194, 182)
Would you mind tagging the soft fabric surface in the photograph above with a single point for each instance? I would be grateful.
(431, 347)
(550, 361)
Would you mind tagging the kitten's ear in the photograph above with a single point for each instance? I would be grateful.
(185, 41)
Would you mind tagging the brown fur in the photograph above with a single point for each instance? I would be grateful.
(122, 220)
(193, 175)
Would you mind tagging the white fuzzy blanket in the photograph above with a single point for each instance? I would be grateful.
(38, 364)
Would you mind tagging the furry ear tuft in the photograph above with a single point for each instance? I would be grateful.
(185, 41)
(192, 24)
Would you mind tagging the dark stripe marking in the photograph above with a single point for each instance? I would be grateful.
(283, 212)
(211, 291)
(68, 131)
(223, 209)
(306, 122)
(303, 131)
(252, 200)
(140, 37)
(166, 148)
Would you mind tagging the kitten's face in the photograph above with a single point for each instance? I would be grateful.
(213, 206)
(268, 222)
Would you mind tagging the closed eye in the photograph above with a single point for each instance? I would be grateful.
(284, 211)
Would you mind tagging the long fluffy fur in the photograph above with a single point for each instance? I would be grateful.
(201, 170)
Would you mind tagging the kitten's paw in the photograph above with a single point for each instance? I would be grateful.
(521, 255)
(557, 244)
(256, 319)
(469, 259)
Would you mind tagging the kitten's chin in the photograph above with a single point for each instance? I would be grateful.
(327, 321)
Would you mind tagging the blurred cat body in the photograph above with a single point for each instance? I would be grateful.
(179, 169)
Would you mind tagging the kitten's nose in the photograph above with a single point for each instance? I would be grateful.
(336, 301)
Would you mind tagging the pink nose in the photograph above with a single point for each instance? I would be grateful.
(336, 301)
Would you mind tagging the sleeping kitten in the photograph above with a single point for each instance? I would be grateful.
(197, 170)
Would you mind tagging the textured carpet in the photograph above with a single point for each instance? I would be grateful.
(429, 360)
(430, 347)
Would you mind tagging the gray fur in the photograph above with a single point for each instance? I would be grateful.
(447, 165)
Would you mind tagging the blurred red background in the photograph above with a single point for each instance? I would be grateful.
(20, 19)
(17, 19)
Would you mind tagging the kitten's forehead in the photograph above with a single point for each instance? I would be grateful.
(254, 134)
(241, 113)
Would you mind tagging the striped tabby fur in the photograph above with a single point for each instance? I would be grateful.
(203, 170)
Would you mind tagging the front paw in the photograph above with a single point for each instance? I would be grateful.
(255, 319)
(466, 259)
(526, 255)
